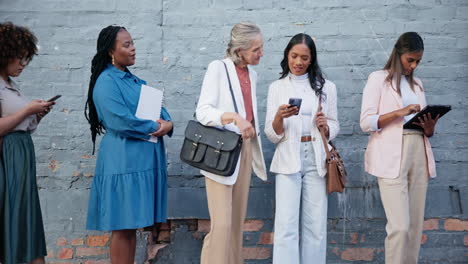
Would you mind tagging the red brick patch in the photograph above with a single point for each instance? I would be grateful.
(358, 254)
(455, 225)
(465, 240)
(431, 224)
(423, 239)
(97, 241)
(253, 225)
(65, 253)
(266, 238)
(256, 253)
(61, 241)
(77, 242)
(84, 252)
(354, 238)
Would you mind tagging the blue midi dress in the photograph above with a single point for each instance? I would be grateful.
(129, 188)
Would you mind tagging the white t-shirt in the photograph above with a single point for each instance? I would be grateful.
(407, 95)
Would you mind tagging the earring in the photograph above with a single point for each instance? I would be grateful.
(113, 60)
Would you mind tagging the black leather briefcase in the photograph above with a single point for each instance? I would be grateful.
(211, 149)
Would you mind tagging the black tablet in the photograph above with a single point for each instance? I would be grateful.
(433, 109)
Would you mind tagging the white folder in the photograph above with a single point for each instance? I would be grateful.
(149, 105)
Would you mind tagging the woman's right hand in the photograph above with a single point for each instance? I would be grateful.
(410, 109)
(38, 106)
(246, 128)
(285, 111)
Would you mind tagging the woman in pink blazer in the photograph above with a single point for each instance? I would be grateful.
(402, 159)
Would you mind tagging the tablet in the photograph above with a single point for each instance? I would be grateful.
(433, 109)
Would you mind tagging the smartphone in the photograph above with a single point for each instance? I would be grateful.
(54, 98)
(295, 102)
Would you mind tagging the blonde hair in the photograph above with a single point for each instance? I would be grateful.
(242, 35)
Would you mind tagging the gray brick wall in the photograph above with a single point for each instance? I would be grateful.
(175, 41)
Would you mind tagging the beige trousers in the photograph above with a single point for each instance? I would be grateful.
(227, 205)
(404, 200)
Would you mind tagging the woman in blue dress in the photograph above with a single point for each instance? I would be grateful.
(129, 189)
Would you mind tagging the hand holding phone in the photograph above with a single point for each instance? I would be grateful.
(54, 98)
(295, 102)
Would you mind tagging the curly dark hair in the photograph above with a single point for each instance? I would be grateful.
(105, 43)
(16, 42)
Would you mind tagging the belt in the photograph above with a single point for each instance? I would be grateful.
(307, 138)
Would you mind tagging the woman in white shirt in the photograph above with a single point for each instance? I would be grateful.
(391, 97)
(227, 196)
(299, 160)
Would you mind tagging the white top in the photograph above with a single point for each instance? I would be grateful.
(12, 101)
(304, 91)
(286, 159)
(407, 96)
(215, 99)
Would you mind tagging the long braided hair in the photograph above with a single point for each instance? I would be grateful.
(316, 79)
(105, 43)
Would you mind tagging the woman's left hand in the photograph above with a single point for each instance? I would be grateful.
(427, 123)
(44, 113)
(164, 128)
(321, 121)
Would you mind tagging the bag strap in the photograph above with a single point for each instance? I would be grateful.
(230, 87)
(322, 133)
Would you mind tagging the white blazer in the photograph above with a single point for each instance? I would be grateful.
(287, 159)
(215, 100)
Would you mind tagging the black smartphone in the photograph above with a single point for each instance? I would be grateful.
(295, 102)
(54, 98)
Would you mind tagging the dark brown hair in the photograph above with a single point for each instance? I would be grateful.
(408, 42)
(316, 79)
(16, 43)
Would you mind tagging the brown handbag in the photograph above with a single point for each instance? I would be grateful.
(336, 172)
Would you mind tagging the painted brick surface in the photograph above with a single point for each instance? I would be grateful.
(175, 41)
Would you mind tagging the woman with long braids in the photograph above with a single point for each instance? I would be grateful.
(401, 159)
(22, 237)
(129, 189)
(299, 159)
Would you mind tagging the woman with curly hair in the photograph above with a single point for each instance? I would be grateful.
(129, 189)
(21, 228)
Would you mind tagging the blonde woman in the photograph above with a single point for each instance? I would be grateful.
(227, 196)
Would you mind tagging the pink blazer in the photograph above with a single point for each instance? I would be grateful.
(383, 154)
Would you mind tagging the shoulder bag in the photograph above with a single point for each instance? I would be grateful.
(336, 172)
(212, 149)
